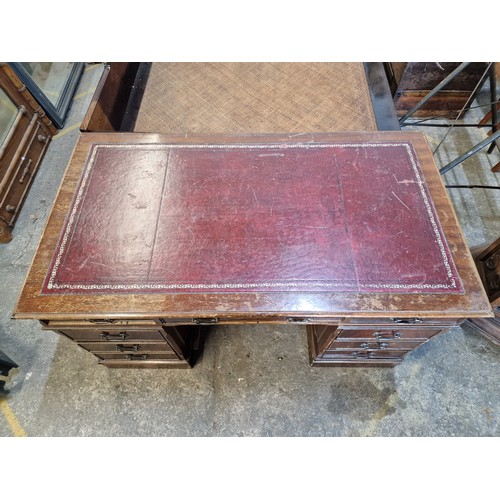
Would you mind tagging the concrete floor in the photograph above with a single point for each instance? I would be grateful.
(251, 380)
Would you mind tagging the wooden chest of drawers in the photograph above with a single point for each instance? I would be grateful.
(347, 344)
(133, 343)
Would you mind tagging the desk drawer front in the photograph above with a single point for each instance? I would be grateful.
(382, 345)
(150, 362)
(100, 323)
(138, 356)
(126, 347)
(214, 320)
(362, 354)
(403, 322)
(382, 334)
(111, 335)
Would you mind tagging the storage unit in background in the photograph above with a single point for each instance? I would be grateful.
(410, 82)
(25, 131)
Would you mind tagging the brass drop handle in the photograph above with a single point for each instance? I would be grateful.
(142, 357)
(298, 320)
(394, 334)
(381, 345)
(205, 321)
(368, 355)
(113, 336)
(122, 348)
(407, 321)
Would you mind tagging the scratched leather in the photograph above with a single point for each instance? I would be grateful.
(347, 218)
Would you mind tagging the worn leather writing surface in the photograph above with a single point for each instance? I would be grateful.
(344, 217)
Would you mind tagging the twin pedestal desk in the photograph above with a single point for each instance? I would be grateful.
(152, 238)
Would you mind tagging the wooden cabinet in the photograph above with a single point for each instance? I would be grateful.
(133, 343)
(410, 82)
(117, 98)
(487, 259)
(25, 132)
(345, 345)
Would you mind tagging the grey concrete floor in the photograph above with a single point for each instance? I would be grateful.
(251, 380)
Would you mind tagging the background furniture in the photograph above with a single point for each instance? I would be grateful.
(487, 259)
(438, 99)
(410, 82)
(52, 84)
(7, 370)
(25, 131)
(116, 97)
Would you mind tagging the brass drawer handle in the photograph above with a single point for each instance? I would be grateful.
(380, 345)
(366, 355)
(205, 321)
(132, 348)
(102, 321)
(407, 321)
(394, 334)
(298, 320)
(142, 357)
(113, 336)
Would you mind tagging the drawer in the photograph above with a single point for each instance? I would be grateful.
(357, 354)
(138, 357)
(127, 347)
(312, 320)
(327, 320)
(111, 334)
(98, 323)
(403, 321)
(373, 344)
(150, 362)
(369, 334)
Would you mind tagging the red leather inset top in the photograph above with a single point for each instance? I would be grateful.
(353, 217)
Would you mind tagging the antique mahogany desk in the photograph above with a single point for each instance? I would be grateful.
(152, 237)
